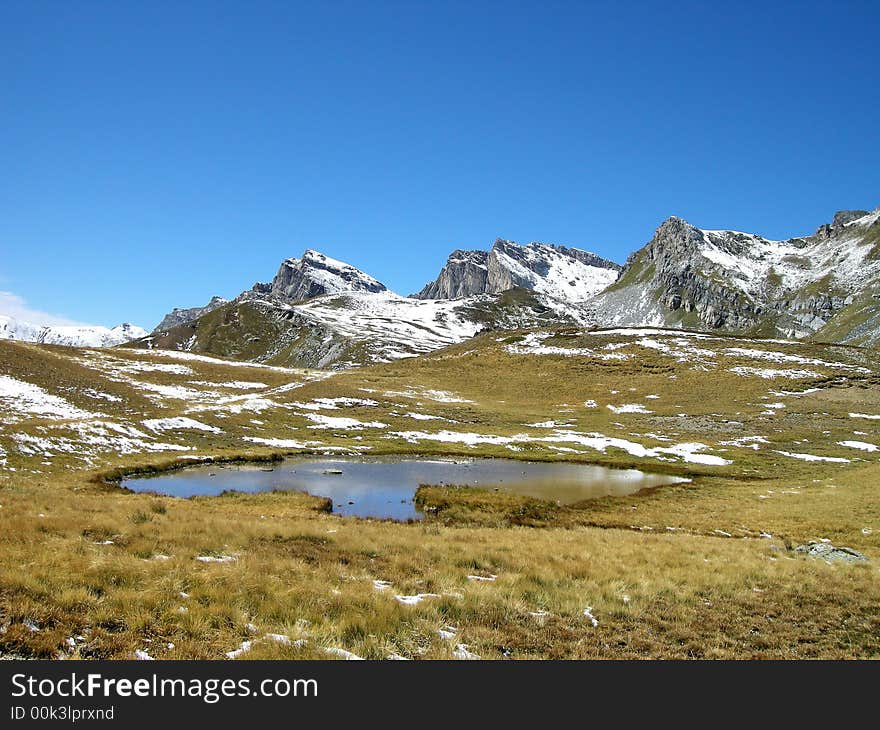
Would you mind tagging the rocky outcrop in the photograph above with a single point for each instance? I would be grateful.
(842, 217)
(831, 553)
(315, 274)
(681, 283)
(465, 274)
(567, 273)
(179, 316)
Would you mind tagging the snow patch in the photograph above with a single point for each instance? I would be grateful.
(629, 408)
(340, 422)
(216, 558)
(25, 398)
(813, 457)
(771, 373)
(416, 599)
(178, 422)
(860, 445)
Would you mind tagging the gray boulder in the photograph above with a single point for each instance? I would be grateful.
(831, 553)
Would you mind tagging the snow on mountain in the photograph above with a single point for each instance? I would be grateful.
(567, 274)
(730, 280)
(12, 329)
(315, 274)
(357, 327)
(384, 326)
(323, 313)
(392, 326)
(750, 260)
(70, 335)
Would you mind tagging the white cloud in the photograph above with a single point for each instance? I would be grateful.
(14, 306)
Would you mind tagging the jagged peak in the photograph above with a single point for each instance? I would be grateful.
(675, 221)
(538, 250)
(181, 315)
(568, 273)
(671, 234)
(467, 255)
(313, 255)
(215, 301)
(314, 274)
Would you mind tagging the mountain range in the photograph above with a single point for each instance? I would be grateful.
(324, 313)
(70, 335)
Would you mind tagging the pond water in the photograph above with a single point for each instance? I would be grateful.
(384, 487)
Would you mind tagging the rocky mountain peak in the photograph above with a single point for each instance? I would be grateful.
(315, 274)
(675, 226)
(473, 257)
(841, 219)
(180, 315)
(567, 273)
(674, 240)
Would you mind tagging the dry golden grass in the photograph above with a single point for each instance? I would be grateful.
(82, 560)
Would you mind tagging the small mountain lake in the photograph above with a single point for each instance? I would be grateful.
(385, 487)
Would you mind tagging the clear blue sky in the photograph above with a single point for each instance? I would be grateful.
(155, 153)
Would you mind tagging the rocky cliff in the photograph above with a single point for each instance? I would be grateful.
(465, 273)
(565, 273)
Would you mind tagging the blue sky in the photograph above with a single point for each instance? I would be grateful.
(153, 154)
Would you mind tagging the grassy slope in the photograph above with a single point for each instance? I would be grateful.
(857, 323)
(684, 592)
(240, 330)
(258, 331)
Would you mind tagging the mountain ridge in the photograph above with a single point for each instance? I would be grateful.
(568, 273)
(68, 335)
(318, 311)
(180, 315)
(321, 312)
(735, 281)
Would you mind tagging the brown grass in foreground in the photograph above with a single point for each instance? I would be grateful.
(89, 571)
